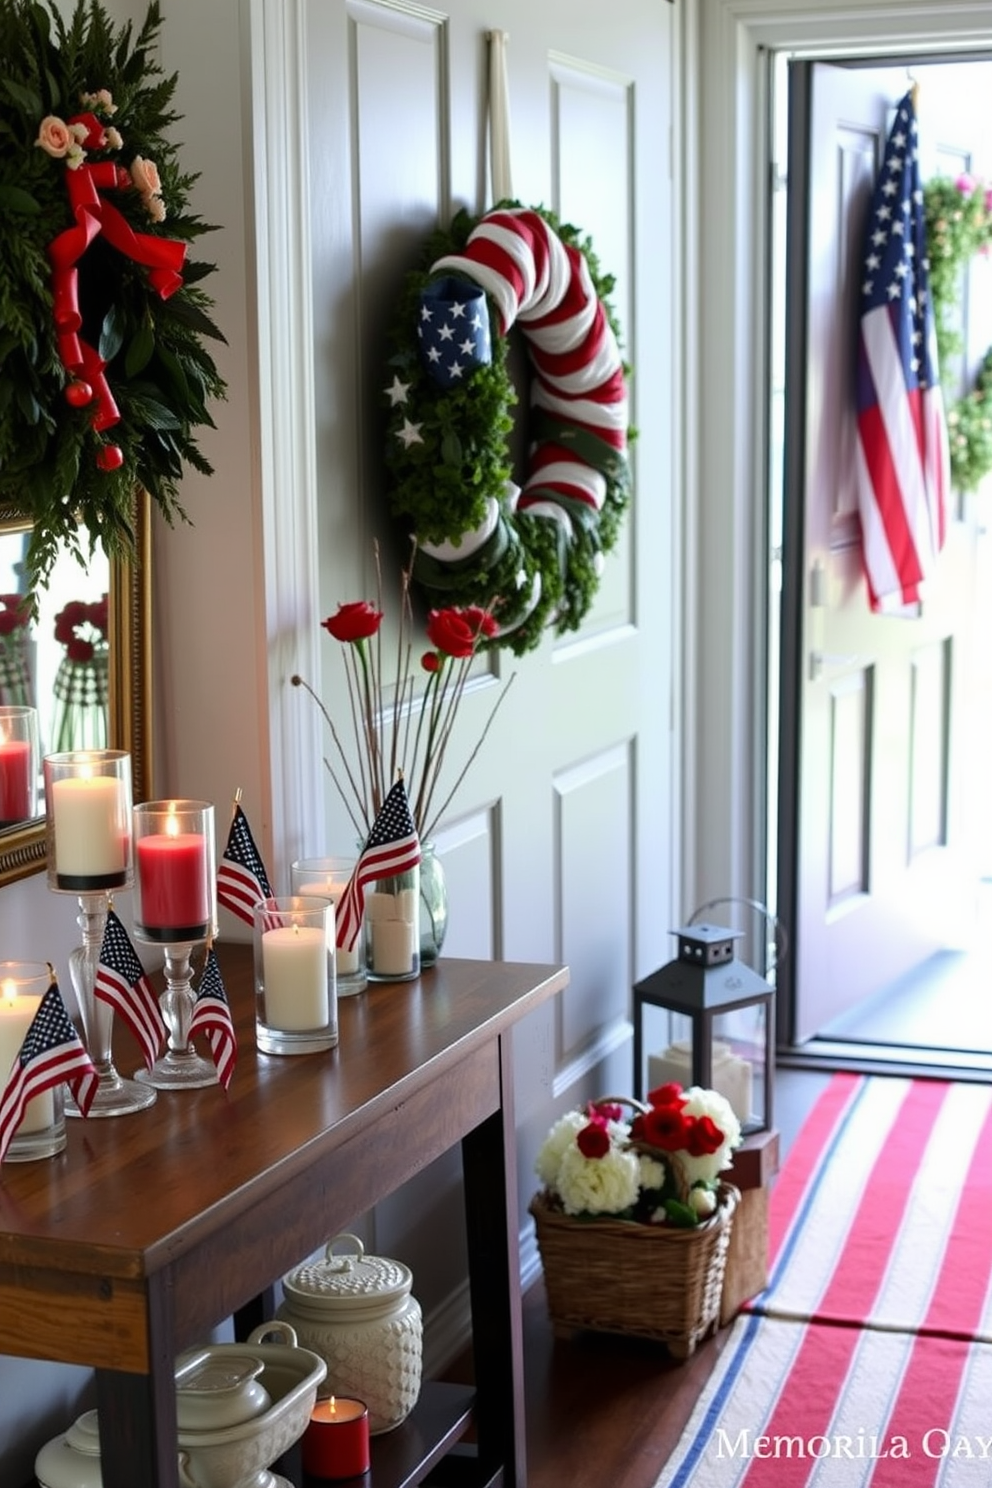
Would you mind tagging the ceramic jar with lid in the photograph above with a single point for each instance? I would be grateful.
(357, 1311)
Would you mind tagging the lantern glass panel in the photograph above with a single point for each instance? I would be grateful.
(670, 1050)
(739, 1062)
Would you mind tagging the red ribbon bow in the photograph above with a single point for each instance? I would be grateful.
(93, 215)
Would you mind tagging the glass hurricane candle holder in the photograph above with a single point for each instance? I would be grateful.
(295, 993)
(327, 878)
(175, 907)
(19, 764)
(88, 811)
(41, 1131)
(88, 844)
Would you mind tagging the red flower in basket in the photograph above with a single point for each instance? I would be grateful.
(661, 1167)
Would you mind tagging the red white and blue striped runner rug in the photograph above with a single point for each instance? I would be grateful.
(882, 1213)
(868, 1359)
(815, 1405)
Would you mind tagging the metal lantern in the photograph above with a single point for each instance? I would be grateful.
(720, 1026)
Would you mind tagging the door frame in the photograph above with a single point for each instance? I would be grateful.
(725, 143)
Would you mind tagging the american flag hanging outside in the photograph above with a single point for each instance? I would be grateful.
(212, 1017)
(392, 847)
(52, 1054)
(903, 465)
(121, 981)
(241, 876)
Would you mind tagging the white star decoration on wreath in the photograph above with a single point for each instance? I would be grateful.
(410, 433)
(398, 392)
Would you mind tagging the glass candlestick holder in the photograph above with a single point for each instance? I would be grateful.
(88, 851)
(175, 907)
(19, 765)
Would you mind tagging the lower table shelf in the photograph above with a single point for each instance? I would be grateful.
(409, 1454)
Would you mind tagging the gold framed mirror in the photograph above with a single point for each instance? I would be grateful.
(127, 700)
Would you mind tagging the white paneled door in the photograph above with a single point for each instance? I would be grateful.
(885, 854)
(559, 846)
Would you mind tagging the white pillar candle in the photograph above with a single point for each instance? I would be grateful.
(16, 1016)
(90, 825)
(328, 887)
(394, 931)
(294, 977)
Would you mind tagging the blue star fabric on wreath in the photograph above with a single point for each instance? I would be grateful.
(453, 330)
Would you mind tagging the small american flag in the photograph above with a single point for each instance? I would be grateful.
(212, 1017)
(52, 1053)
(392, 847)
(241, 878)
(903, 465)
(121, 981)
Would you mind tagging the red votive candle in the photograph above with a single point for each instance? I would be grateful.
(15, 780)
(336, 1442)
(173, 856)
(172, 871)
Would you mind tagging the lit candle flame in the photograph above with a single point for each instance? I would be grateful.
(9, 993)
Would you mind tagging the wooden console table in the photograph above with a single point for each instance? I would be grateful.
(153, 1228)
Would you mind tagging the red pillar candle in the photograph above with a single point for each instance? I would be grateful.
(336, 1441)
(15, 780)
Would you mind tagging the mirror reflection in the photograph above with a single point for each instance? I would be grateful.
(58, 660)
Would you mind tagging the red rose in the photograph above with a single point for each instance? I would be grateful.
(667, 1095)
(430, 661)
(593, 1140)
(664, 1127)
(354, 622)
(68, 619)
(607, 1111)
(95, 138)
(703, 1137)
(450, 632)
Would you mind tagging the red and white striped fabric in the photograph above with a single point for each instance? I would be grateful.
(544, 286)
(882, 1214)
(810, 1405)
(868, 1359)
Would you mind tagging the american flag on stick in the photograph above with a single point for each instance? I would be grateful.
(212, 1017)
(903, 464)
(241, 877)
(52, 1054)
(392, 847)
(122, 982)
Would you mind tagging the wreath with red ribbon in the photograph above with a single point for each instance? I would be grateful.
(104, 372)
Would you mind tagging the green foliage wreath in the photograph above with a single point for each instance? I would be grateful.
(85, 115)
(442, 480)
(958, 218)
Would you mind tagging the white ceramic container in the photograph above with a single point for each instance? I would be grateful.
(358, 1313)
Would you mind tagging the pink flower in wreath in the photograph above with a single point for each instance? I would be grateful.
(55, 137)
(144, 174)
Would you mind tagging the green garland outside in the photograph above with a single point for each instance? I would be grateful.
(958, 218)
(55, 467)
(441, 482)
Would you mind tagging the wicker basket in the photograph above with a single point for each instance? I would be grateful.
(651, 1281)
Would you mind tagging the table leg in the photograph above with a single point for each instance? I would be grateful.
(492, 1219)
(137, 1429)
(137, 1412)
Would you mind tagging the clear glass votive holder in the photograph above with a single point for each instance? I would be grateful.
(327, 878)
(392, 927)
(175, 878)
(88, 826)
(19, 763)
(296, 1006)
(41, 1130)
